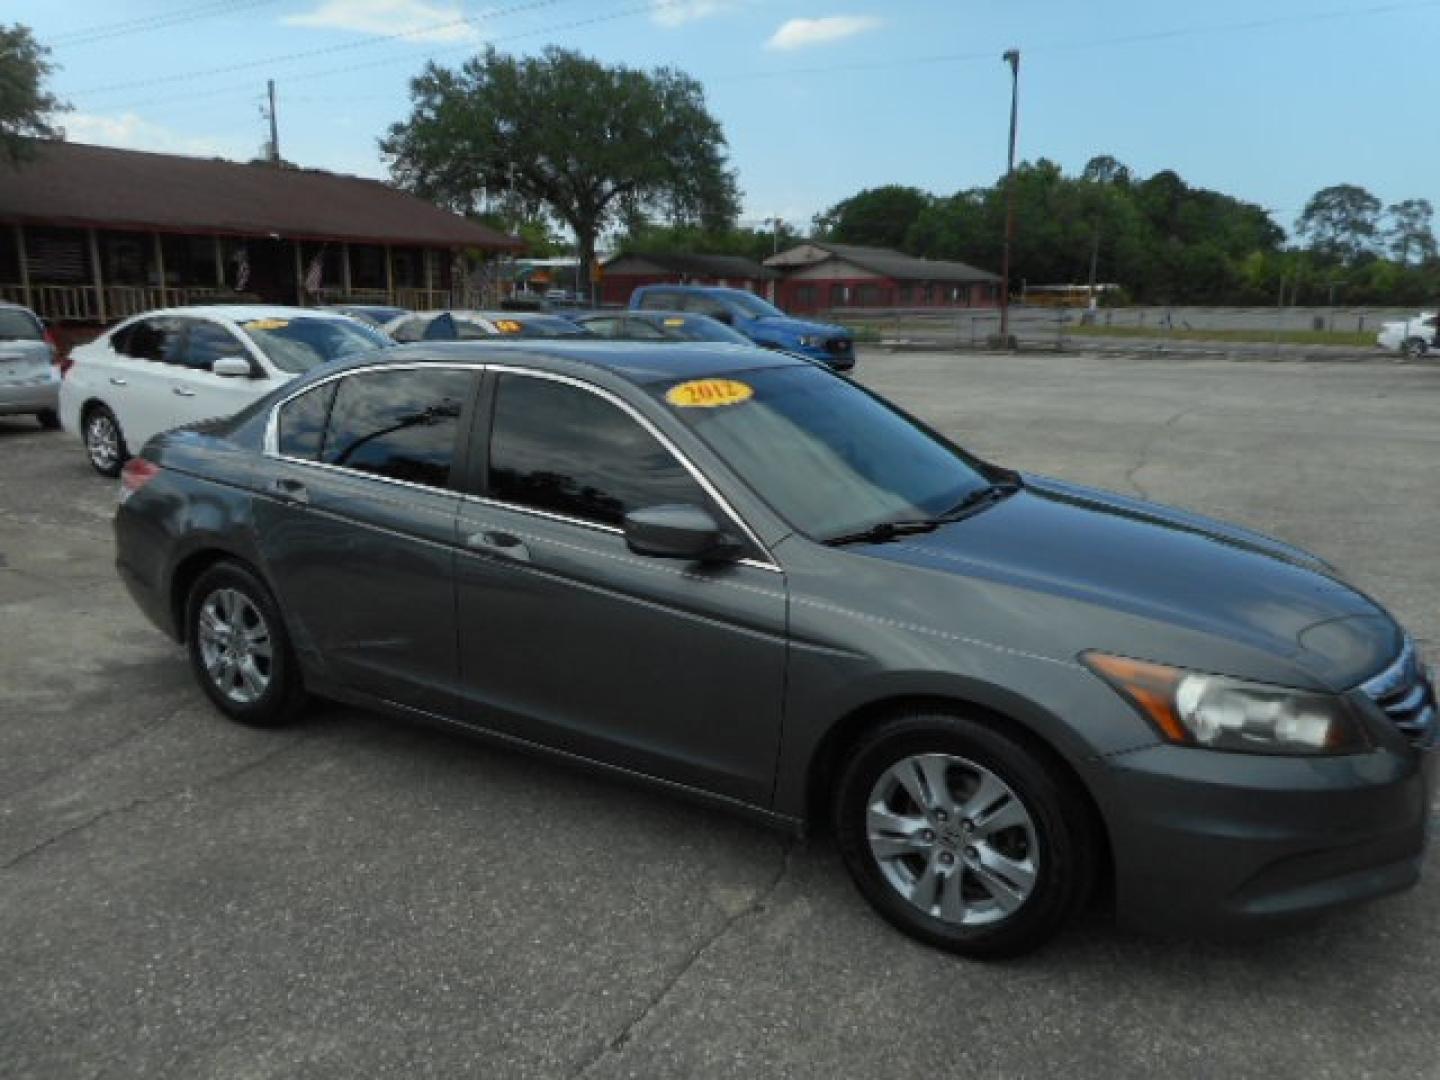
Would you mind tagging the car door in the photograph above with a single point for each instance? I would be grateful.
(567, 638)
(140, 378)
(199, 393)
(356, 524)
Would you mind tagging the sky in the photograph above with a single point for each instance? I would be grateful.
(818, 98)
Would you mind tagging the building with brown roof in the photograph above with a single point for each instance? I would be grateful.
(820, 276)
(90, 234)
(625, 272)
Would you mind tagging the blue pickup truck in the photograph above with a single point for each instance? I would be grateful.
(760, 321)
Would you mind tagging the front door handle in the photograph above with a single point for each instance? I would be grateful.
(115, 380)
(499, 543)
(182, 391)
(290, 490)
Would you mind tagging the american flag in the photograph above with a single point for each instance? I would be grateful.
(242, 270)
(314, 275)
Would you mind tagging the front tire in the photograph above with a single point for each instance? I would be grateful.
(104, 441)
(961, 836)
(239, 649)
(1415, 348)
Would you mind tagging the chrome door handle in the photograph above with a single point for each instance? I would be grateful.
(499, 543)
(180, 390)
(116, 381)
(290, 490)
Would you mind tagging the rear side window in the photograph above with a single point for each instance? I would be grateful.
(660, 301)
(410, 330)
(398, 424)
(558, 448)
(151, 339)
(302, 423)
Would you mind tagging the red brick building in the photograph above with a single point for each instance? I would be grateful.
(821, 276)
(622, 274)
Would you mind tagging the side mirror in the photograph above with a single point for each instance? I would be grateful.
(232, 367)
(677, 532)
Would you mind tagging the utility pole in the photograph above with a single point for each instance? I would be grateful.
(1011, 57)
(274, 126)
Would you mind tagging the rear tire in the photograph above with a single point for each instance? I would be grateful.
(104, 441)
(239, 649)
(1415, 348)
(963, 837)
(49, 419)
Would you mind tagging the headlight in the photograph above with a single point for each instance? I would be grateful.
(1218, 713)
(810, 341)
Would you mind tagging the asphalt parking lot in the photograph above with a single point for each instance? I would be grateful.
(181, 897)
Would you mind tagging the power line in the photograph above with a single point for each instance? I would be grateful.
(98, 32)
(324, 50)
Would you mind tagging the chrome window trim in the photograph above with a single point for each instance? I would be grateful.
(270, 447)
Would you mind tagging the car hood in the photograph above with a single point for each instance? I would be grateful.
(1169, 567)
(796, 326)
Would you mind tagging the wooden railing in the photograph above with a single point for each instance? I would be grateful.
(77, 303)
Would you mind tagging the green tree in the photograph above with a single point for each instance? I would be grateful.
(1104, 169)
(27, 109)
(1410, 230)
(875, 217)
(590, 143)
(1340, 222)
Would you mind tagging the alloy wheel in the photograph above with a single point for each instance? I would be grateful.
(102, 441)
(235, 646)
(953, 839)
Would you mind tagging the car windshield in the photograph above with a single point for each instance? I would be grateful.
(298, 344)
(754, 307)
(829, 457)
(539, 326)
(698, 328)
(17, 324)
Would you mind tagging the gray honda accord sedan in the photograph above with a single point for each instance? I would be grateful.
(735, 574)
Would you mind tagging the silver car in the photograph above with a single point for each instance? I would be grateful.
(29, 379)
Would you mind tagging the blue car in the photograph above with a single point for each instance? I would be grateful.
(760, 321)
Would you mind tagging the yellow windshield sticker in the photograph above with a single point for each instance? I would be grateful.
(674, 322)
(267, 324)
(709, 393)
(507, 326)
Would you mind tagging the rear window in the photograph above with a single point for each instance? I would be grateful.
(17, 324)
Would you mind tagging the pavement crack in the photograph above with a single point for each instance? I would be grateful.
(691, 958)
(150, 800)
(1143, 457)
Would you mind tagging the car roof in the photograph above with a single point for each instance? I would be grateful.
(637, 362)
(241, 313)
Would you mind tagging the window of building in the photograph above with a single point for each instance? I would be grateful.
(561, 449)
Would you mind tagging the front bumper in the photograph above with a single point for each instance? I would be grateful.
(1232, 843)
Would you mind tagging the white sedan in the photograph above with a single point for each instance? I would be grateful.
(162, 369)
(1413, 337)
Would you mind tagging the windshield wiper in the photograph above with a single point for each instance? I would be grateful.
(885, 531)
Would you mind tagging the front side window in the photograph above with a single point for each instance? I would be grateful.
(659, 301)
(751, 306)
(157, 339)
(298, 344)
(561, 449)
(398, 424)
(826, 455)
(302, 423)
(208, 342)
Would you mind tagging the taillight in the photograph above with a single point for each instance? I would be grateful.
(135, 475)
(61, 360)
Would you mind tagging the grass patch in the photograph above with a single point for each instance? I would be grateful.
(1263, 337)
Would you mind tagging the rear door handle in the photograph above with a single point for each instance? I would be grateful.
(115, 380)
(182, 391)
(291, 490)
(499, 543)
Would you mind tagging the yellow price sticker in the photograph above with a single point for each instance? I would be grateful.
(709, 393)
(267, 324)
(508, 326)
(674, 322)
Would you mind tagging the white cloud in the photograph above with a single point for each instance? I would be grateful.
(678, 12)
(131, 132)
(418, 20)
(802, 33)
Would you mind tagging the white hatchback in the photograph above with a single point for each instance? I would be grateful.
(162, 369)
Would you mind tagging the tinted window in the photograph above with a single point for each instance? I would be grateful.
(828, 456)
(151, 339)
(640, 330)
(707, 305)
(17, 324)
(208, 342)
(605, 327)
(302, 422)
(299, 344)
(410, 330)
(700, 328)
(559, 448)
(399, 424)
(752, 306)
(659, 301)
